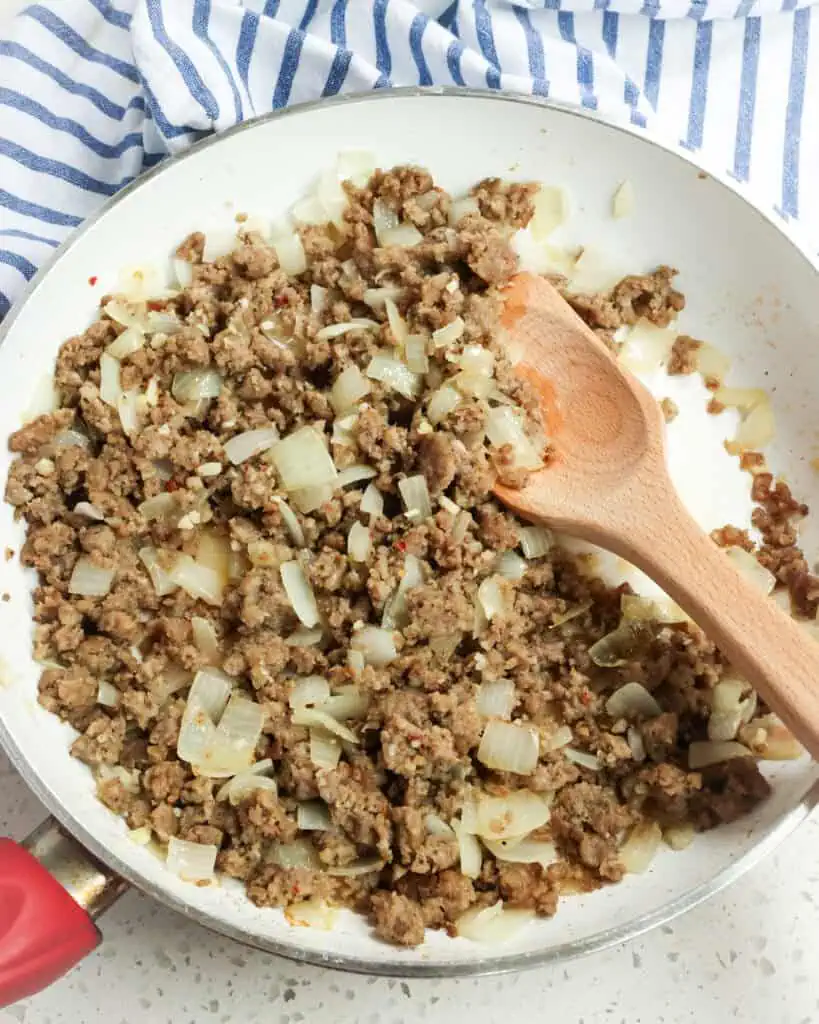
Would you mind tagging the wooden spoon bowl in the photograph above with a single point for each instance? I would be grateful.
(606, 481)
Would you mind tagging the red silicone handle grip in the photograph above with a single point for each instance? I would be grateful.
(43, 932)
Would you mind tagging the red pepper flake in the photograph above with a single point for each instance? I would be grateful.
(296, 889)
(93, 280)
(171, 486)
(155, 305)
(586, 697)
(281, 300)
(401, 545)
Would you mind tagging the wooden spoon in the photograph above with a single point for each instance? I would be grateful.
(607, 482)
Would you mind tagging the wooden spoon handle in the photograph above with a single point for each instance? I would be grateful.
(762, 642)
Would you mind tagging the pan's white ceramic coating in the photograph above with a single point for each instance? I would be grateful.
(750, 290)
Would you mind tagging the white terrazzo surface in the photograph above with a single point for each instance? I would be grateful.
(748, 956)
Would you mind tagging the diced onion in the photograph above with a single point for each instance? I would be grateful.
(90, 580)
(492, 924)
(309, 691)
(238, 788)
(313, 816)
(128, 409)
(355, 474)
(360, 323)
(160, 579)
(621, 645)
(313, 913)
(375, 298)
(441, 403)
(395, 610)
(131, 340)
(415, 495)
(511, 566)
(459, 209)
(550, 205)
(348, 389)
(702, 753)
(384, 220)
(192, 862)
(404, 235)
(107, 694)
(194, 385)
(504, 427)
(711, 362)
(509, 747)
(206, 701)
(196, 579)
(474, 384)
(398, 324)
(372, 502)
(85, 508)
(415, 350)
(639, 849)
(129, 314)
(300, 853)
(141, 836)
(157, 507)
(494, 597)
(751, 570)
(290, 253)
(304, 638)
(344, 429)
(325, 750)
(655, 610)
(232, 745)
(292, 523)
(394, 374)
(309, 211)
(359, 542)
(244, 446)
(505, 817)
(477, 360)
(535, 541)
(449, 333)
(183, 271)
(316, 718)
(302, 460)
(318, 298)
(522, 851)
(632, 701)
(560, 738)
(72, 438)
(469, 851)
(436, 826)
(365, 866)
(110, 389)
(377, 645)
(679, 837)
(205, 638)
(636, 744)
(581, 758)
(308, 499)
(299, 593)
(622, 203)
(496, 698)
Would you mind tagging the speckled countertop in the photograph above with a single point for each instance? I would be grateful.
(747, 956)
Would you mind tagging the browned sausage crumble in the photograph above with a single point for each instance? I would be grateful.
(410, 760)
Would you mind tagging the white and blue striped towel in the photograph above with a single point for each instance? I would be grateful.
(94, 91)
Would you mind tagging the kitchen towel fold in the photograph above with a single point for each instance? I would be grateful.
(92, 92)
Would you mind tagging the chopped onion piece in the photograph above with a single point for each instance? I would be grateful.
(509, 747)
(238, 788)
(302, 460)
(522, 851)
(377, 645)
(535, 541)
(205, 638)
(128, 409)
(511, 566)
(305, 638)
(315, 718)
(300, 853)
(325, 750)
(632, 701)
(375, 297)
(318, 298)
(449, 333)
(639, 849)
(560, 738)
(646, 347)
(160, 579)
(711, 362)
(309, 691)
(551, 207)
(651, 610)
(398, 325)
(355, 474)
(299, 593)
(129, 314)
(344, 429)
(395, 610)
(194, 385)
(622, 203)
(494, 597)
(308, 499)
(360, 323)
(196, 579)
(476, 359)
(110, 389)
(372, 502)
(403, 235)
(244, 446)
(232, 745)
(192, 862)
(474, 384)
(744, 399)
(158, 507)
(415, 495)
(751, 570)
(72, 438)
(312, 913)
(384, 220)
(415, 350)
(492, 924)
(636, 744)
(141, 836)
(441, 403)
(313, 816)
(622, 644)
(85, 508)
(394, 374)
(504, 427)
(365, 866)
(107, 694)
(162, 322)
(460, 208)
(359, 542)
(436, 826)
(90, 580)
(131, 340)
(290, 253)
(581, 758)
(504, 817)
(496, 698)
(703, 753)
(679, 837)
(292, 523)
(469, 851)
(348, 389)
(183, 271)
(348, 702)
(309, 211)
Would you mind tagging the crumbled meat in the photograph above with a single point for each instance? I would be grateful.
(683, 357)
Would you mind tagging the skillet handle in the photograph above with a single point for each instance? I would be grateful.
(51, 889)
